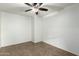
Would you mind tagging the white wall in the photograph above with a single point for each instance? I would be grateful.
(37, 33)
(0, 29)
(15, 29)
(62, 30)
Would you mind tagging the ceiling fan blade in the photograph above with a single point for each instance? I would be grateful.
(40, 4)
(28, 10)
(34, 4)
(28, 4)
(36, 13)
(43, 9)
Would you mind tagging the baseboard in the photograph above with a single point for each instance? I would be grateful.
(36, 41)
(20, 43)
(14, 44)
(60, 48)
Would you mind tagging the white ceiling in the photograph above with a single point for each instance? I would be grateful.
(19, 8)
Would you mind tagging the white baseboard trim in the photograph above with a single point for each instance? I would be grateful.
(61, 48)
(13, 44)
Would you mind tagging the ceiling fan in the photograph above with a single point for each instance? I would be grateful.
(35, 7)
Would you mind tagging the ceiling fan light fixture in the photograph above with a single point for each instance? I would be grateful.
(35, 9)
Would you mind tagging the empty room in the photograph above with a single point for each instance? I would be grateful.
(39, 29)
